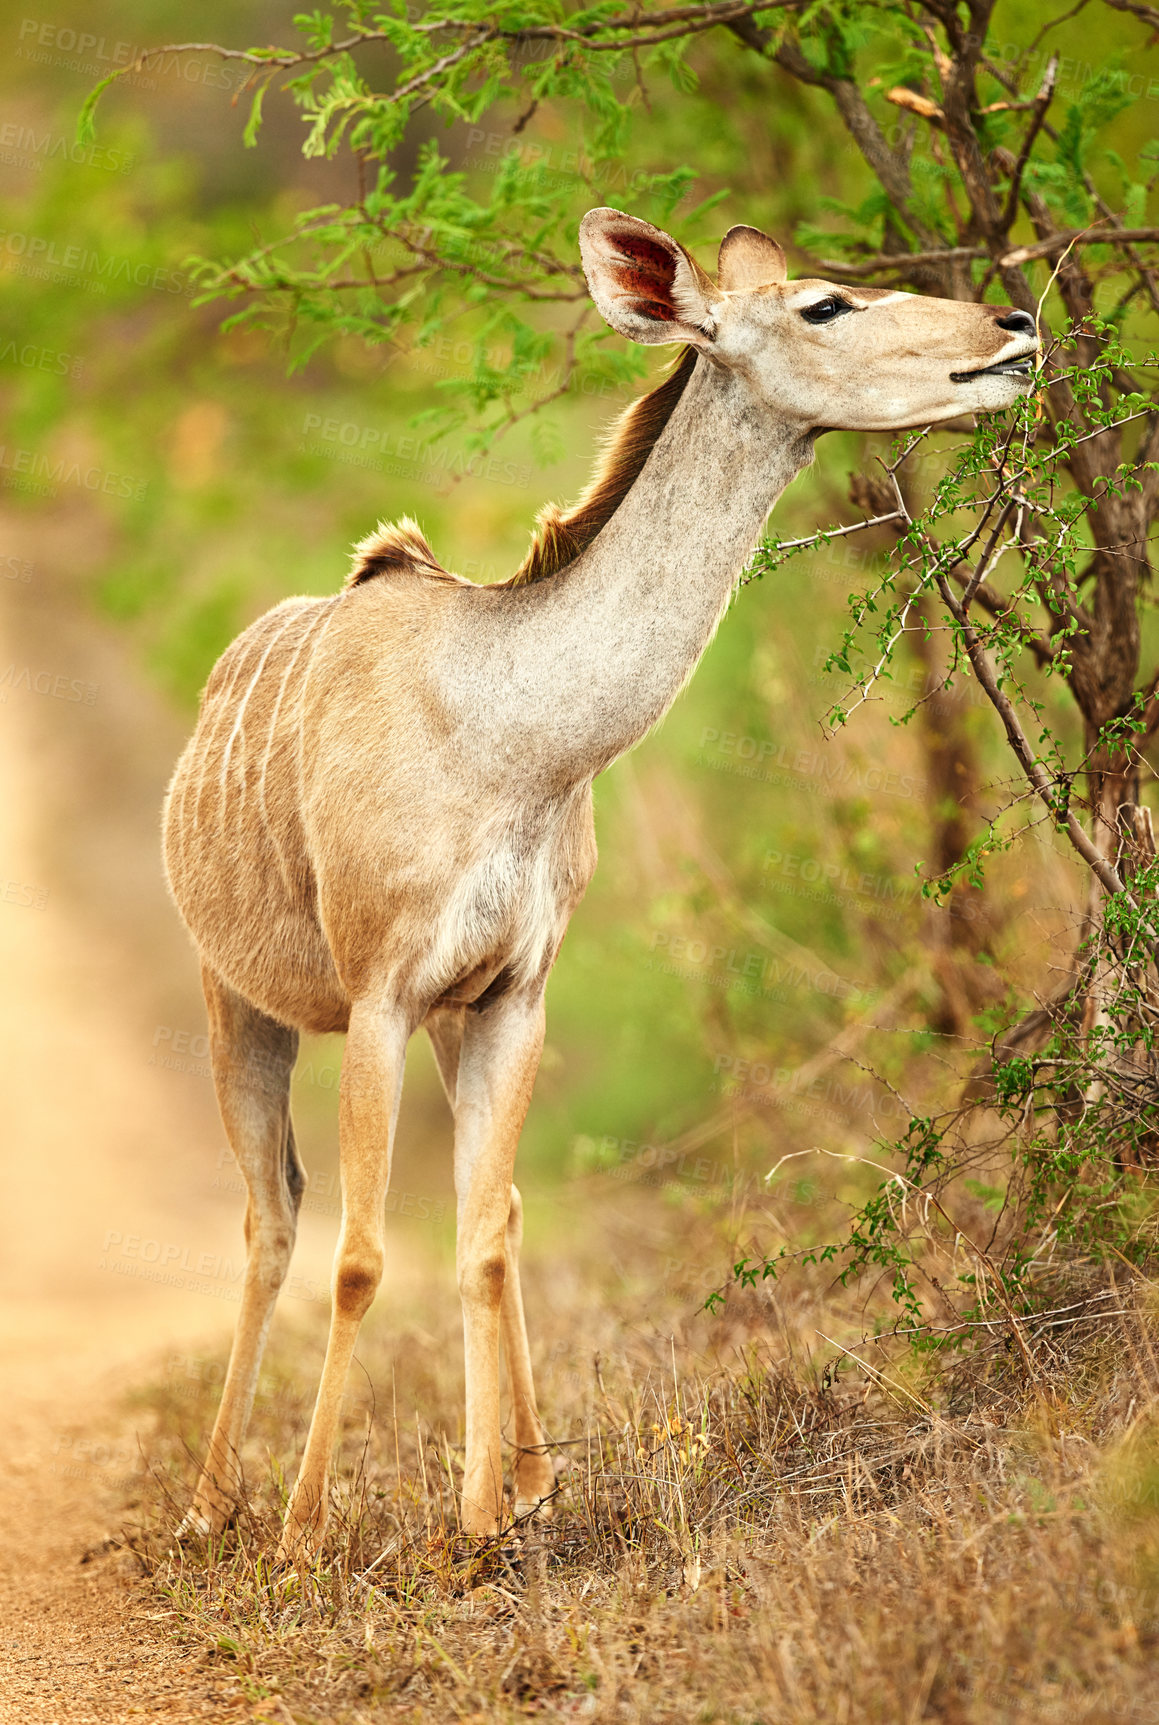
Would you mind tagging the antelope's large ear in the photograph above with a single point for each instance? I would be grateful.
(645, 285)
(749, 259)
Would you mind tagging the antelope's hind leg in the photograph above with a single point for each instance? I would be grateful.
(253, 1057)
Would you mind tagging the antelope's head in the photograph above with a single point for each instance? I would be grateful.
(820, 356)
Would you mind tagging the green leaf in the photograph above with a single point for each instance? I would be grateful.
(86, 129)
(253, 124)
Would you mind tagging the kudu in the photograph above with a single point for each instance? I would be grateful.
(384, 817)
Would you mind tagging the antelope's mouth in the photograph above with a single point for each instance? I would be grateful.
(1022, 365)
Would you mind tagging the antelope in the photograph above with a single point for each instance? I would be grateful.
(383, 820)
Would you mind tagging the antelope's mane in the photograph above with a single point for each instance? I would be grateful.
(401, 547)
(395, 547)
(561, 534)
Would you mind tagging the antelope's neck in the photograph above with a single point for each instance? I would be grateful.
(606, 645)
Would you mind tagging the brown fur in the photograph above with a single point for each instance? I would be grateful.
(561, 535)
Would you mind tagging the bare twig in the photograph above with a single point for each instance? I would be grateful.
(1022, 254)
(1041, 103)
(822, 537)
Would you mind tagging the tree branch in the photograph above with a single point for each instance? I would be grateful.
(1148, 13)
(1036, 774)
(1022, 254)
(1041, 103)
(890, 168)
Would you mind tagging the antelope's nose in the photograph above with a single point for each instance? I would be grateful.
(1017, 322)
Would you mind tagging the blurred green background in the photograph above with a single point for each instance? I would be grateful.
(164, 482)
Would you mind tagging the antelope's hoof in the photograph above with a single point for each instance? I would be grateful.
(297, 1549)
(194, 1526)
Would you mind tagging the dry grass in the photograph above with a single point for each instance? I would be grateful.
(742, 1533)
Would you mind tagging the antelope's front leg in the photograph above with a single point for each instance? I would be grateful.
(502, 1043)
(372, 1068)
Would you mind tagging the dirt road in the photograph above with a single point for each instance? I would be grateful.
(119, 1250)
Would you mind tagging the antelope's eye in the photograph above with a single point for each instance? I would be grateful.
(825, 310)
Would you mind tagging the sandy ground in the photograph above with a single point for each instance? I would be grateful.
(109, 1158)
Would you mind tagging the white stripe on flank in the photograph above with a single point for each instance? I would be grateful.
(237, 724)
(219, 719)
(263, 808)
(314, 645)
